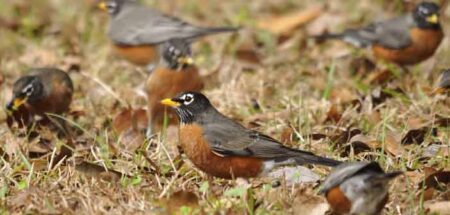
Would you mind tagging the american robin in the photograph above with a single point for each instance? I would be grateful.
(224, 148)
(405, 40)
(135, 30)
(43, 90)
(174, 74)
(358, 188)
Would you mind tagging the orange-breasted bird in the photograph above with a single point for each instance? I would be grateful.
(404, 40)
(224, 148)
(41, 91)
(358, 188)
(136, 30)
(174, 74)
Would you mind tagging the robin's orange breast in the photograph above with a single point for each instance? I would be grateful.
(424, 44)
(198, 151)
(166, 83)
(139, 55)
(338, 201)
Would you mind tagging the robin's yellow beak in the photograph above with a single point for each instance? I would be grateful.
(102, 6)
(434, 19)
(186, 60)
(170, 103)
(16, 103)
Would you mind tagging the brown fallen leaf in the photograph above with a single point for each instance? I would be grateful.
(283, 25)
(379, 77)
(417, 136)
(345, 136)
(362, 66)
(247, 52)
(434, 180)
(307, 203)
(179, 201)
(130, 124)
(96, 171)
(392, 145)
(333, 114)
(361, 143)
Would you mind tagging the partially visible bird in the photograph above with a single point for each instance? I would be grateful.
(404, 40)
(358, 188)
(174, 74)
(136, 30)
(41, 91)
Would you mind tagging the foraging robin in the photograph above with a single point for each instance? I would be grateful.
(224, 148)
(135, 30)
(358, 188)
(404, 40)
(41, 91)
(174, 74)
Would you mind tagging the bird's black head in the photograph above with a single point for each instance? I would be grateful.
(188, 105)
(426, 15)
(176, 54)
(112, 6)
(26, 89)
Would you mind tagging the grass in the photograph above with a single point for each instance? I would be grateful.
(294, 88)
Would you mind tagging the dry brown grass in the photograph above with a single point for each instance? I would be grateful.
(288, 96)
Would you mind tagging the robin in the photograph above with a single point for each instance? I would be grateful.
(43, 90)
(136, 30)
(224, 148)
(174, 74)
(358, 188)
(405, 40)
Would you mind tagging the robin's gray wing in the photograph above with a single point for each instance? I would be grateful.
(392, 34)
(227, 138)
(137, 25)
(348, 170)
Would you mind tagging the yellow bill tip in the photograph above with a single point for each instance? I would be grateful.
(16, 103)
(434, 19)
(170, 103)
(102, 6)
(186, 60)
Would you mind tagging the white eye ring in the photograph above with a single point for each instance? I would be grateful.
(188, 99)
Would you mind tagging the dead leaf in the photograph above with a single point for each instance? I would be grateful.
(379, 77)
(345, 136)
(434, 150)
(362, 66)
(342, 95)
(248, 52)
(130, 124)
(417, 136)
(96, 171)
(307, 203)
(284, 25)
(333, 114)
(360, 143)
(178, 200)
(392, 145)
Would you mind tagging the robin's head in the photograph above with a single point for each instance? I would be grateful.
(176, 54)
(26, 89)
(188, 105)
(426, 15)
(112, 6)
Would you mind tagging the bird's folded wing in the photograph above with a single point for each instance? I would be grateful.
(234, 140)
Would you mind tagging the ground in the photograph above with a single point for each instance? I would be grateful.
(328, 98)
